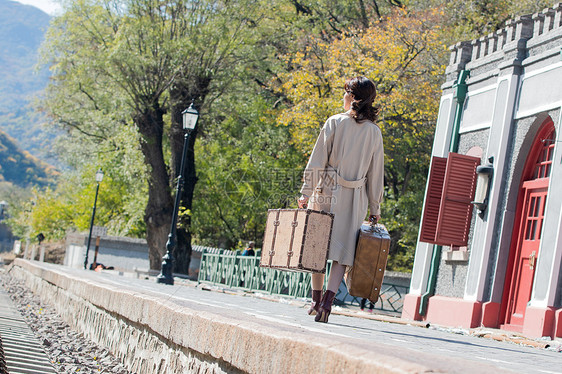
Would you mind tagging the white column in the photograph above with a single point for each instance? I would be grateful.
(498, 140)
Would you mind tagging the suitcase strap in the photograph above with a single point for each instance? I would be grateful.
(294, 225)
(275, 225)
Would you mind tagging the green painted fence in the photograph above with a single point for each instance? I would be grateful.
(230, 269)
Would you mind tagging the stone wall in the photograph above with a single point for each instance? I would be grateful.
(103, 318)
(125, 254)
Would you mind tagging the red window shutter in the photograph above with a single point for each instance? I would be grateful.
(433, 199)
(455, 212)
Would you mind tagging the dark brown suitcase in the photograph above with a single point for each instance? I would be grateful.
(366, 276)
(297, 239)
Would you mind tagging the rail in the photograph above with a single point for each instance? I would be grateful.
(230, 269)
(20, 351)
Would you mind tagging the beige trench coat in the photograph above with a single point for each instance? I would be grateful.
(344, 176)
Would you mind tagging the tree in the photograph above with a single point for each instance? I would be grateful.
(90, 96)
(136, 63)
(54, 212)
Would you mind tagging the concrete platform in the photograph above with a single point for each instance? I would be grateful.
(156, 328)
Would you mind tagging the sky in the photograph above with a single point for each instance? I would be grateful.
(48, 6)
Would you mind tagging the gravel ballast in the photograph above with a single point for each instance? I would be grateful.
(68, 350)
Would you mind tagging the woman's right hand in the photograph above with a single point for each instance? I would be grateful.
(303, 202)
(374, 218)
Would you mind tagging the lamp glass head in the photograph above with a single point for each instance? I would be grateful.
(481, 194)
(481, 189)
(190, 117)
(99, 175)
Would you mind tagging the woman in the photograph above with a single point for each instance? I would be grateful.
(344, 176)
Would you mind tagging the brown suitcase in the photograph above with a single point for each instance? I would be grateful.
(297, 239)
(366, 276)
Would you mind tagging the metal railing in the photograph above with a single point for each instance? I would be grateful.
(229, 269)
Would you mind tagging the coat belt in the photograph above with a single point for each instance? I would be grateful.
(345, 183)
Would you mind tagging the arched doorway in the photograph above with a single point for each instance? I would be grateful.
(527, 232)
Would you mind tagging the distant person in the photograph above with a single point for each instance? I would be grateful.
(99, 267)
(249, 251)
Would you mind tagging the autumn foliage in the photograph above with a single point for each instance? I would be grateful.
(402, 54)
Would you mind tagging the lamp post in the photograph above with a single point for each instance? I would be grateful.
(99, 178)
(189, 119)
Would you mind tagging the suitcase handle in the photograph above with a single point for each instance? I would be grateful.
(375, 227)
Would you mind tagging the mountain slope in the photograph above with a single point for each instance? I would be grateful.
(22, 29)
(21, 168)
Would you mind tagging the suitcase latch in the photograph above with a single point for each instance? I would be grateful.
(276, 223)
(294, 223)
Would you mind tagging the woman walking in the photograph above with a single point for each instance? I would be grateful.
(344, 176)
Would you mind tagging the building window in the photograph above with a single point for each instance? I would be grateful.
(544, 161)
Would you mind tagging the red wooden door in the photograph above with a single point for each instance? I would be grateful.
(524, 268)
(527, 236)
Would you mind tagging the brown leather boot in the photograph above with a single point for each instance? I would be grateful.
(316, 296)
(325, 306)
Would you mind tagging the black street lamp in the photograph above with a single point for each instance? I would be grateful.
(99, 178)
(189, 117)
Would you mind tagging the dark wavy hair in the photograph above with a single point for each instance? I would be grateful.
(364, 92)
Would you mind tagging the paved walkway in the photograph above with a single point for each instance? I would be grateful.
(442, 350)
(444, 343)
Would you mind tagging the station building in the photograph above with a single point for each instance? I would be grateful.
(489, 251)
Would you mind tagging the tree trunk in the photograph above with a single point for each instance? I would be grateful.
(158, 211)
